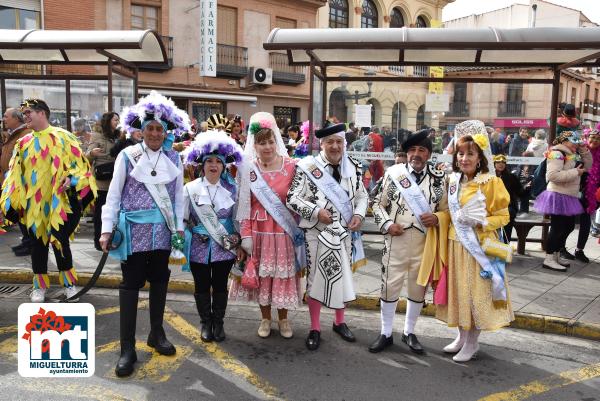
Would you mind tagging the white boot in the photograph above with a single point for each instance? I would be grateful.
(550, 262)
(458, 342)
(470, 348)
(560, 260)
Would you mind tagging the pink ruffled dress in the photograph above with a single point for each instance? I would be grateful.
(273, 249)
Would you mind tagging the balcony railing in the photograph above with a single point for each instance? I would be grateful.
(421, 71)
(458, 109)
(399, 70)
(232, 61)
(168, 43)
(283, 72)
(511, 109)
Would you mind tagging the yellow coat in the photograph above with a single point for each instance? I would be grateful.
(435, 257)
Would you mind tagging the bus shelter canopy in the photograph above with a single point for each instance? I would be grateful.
(38, 46)
(552, 47)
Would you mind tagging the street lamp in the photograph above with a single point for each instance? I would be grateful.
(357, 95)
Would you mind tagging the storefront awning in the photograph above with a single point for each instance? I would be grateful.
(38, 46)
(552, 47)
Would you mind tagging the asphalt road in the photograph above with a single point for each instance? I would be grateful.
(512, 365)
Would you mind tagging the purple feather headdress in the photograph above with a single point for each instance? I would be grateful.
(156, 107)
(213, 143)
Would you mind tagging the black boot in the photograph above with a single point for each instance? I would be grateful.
(219, 306)
(128, 302)
(203, 306)
(157, 338)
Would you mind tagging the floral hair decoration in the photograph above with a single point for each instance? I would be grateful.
(256, 126)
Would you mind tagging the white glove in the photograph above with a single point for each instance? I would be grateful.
(463, 218)
(247, 245)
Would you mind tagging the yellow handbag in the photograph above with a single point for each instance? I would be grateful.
(495, 248)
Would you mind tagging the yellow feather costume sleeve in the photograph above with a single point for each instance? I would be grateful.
(32, 187)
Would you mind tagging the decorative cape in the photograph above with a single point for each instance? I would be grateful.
(32, 187)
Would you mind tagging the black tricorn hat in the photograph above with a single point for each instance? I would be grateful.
(330, 129)
(419, 138)
(137, 123)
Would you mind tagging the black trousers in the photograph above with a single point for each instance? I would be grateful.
(26, 239)
(524, 201)
(585, 224)
(511, 222)
(64, 259)
(151, 266)
(213, 275)
(100, 201)
(560, 228)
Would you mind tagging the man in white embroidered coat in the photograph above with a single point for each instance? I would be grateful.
(330, 247)
(405, 230)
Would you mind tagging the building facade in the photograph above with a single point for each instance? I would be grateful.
(242, 27)
(395, 106)
(510, 106)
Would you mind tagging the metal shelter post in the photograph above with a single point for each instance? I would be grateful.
(554, 105)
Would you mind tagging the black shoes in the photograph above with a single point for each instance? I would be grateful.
(566, 255)
(580, 256)
(344, 332)
(20, 246)
(381, 343)
(412, 342)
(313, 340)
(24, 251)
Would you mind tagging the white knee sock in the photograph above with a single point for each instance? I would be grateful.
(413, 310)
(388, 310)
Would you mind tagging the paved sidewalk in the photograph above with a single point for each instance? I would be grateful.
(547, 301)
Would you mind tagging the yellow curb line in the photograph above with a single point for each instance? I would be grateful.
(525, 321)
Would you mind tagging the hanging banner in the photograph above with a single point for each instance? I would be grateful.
(208, 38)
(437, 102)
(362, 115)
(437, 72)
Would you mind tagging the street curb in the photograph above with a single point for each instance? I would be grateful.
(524, 321)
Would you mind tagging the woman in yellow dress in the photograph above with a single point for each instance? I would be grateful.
(477, 293)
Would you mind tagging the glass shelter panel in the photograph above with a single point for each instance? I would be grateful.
(123, 92)
(52, 91)
(403, 107)
(89, 100)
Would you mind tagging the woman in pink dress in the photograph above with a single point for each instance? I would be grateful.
(264, 240)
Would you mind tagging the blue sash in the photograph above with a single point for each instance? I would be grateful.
(338, 196)
(200, 229)
(150, 216)
(280, 213)
(490, 269)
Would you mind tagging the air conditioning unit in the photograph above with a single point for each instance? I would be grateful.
(261, 76)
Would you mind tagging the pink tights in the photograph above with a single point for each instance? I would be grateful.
(314, 307)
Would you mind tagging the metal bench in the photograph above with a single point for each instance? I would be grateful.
(523, 225)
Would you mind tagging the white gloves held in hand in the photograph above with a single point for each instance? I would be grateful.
(247, 245)
(463, 218)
